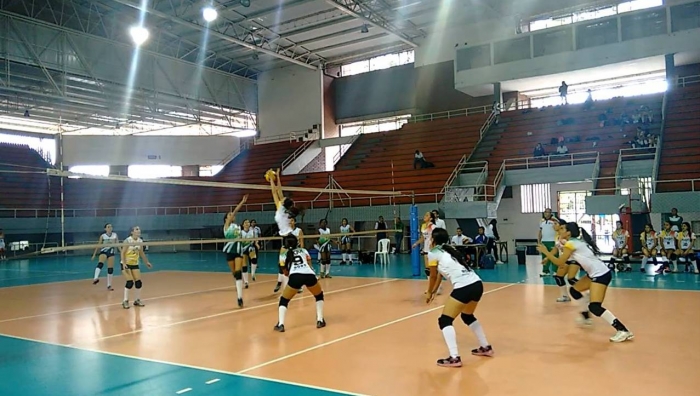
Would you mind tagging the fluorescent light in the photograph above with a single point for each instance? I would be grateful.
(209, 14)
(139, 34)
(244, 133)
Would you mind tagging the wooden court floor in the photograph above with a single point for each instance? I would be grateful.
(72, 338)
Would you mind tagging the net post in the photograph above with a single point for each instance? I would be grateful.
(415, 252)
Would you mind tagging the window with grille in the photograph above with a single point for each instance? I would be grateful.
(535, 198)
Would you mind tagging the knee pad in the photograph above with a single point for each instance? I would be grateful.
(572, 281)
(110, 271)
(468, 319)
(284, 302)
(244, 269)
(445, 321)
(596, 308)
(427, 272)
(559, 280)
(100, 265)
(238, 275)
(254, 261)
(138, 284)
(575, 294)
(319, 296)
(129, 284)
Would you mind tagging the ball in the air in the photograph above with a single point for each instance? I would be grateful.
(269, 175)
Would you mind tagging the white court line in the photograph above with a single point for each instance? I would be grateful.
(359, 333)
(115, 304)
(230, 312)
(37, 271)
(297, 384)
(181, 391)
(212, 381)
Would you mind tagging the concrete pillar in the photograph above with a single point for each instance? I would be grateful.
(497, 94)
(670, 70)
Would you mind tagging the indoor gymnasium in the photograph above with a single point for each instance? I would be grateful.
(349, 197)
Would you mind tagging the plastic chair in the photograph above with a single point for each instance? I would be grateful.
(382, 251)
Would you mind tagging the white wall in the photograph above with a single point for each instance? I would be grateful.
(148, 150)
(439, 46)
(512, 224)
(290, 99)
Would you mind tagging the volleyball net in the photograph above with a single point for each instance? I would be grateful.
(175, 214)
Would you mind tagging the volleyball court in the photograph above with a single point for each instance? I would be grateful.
(381, 335)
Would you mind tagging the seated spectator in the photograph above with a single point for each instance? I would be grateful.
(480, 238)
(419, 159)
(539, 151)
(562, 149)
(460, 240)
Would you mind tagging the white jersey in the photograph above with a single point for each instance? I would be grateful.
(649, 239)
(345, 229)
(448, 267)
(547, 228)
(685, 240)
(668, 240)
(427, 231)
(283, 221)
(323, 239)
(250, 234)
(256, 232)
(132, 254)
(296, 232)
(112, 238)
(232, 232)
(620, 238)
(300, 263)
(584, 256)
(2, 243)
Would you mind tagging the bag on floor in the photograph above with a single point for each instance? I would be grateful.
(487, 261)
(366, 257)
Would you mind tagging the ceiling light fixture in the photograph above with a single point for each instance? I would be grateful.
(209, 14)
(139, 34)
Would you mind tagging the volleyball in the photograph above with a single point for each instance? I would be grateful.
(269, 175)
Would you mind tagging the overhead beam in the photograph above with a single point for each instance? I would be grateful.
(276, 50)
(367, 14)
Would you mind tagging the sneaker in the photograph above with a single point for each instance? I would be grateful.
(138, 303)
(125, 304)
(253, 278)
(321, 275)
(277, 288)
(581, 321)
(109, 288)
(321, 324)
(563, 299)
(342, 262)
(246, 285)
(279, 328)
(499, 262)
(450, 362)
(240, 303)
(483, 351)
(328, 276)
(622, 336)
(96, 281)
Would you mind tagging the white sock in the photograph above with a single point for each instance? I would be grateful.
(479, 333)
(245, 277)
(97, 272)
(126, 294)
(345, 257)
(280, 278)
(328, 268)
(109, 280)
(451, 340)
(564, 292)
(239, 288)
(285, 280)
(675, 265)
(253, 268)
(644, 262)
(694, 265)
(282, 312)
(137, 294)
(608, 317)
(319, 311)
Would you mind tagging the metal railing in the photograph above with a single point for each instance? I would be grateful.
(451, 113)
(482, 167)
(688, 184)
(588, 157)
(293, 156)
(634, 154)
(688, 80)
(343, 148)
(285, 137)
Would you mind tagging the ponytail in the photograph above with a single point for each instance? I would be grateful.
(578, 232)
